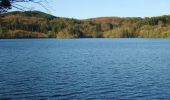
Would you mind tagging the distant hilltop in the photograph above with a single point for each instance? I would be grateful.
(35, 24)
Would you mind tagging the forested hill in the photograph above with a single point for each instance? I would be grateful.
(35, 24)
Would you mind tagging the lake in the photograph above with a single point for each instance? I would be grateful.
(100, 69)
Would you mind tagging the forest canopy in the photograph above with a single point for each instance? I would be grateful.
(35, 24)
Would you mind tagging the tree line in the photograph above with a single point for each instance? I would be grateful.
(35, 24)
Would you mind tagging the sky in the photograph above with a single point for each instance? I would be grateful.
(83, 9)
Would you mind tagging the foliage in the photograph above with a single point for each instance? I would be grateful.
(35, 24)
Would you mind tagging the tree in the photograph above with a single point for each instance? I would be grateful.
(5, 5)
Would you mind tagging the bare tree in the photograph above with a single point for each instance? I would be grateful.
(5, 5)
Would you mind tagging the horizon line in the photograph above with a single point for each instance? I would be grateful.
(94, 16)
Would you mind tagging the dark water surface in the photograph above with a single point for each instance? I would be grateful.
(100, 69)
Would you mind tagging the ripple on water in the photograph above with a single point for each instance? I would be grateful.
(85, 69)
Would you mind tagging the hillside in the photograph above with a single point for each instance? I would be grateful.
(35, 24)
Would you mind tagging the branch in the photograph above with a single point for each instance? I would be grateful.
(5, 5)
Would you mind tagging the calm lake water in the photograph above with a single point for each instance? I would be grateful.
(101, 69)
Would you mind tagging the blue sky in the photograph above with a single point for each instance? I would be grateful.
(83, 9)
